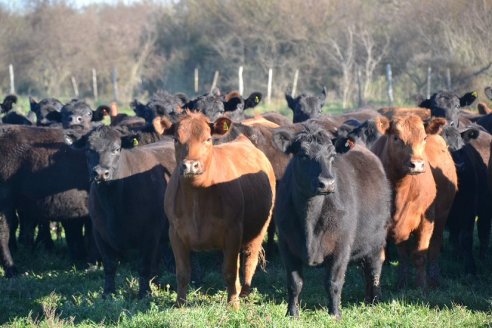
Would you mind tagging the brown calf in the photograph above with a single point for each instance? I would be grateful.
(219, 197)
(402, 152)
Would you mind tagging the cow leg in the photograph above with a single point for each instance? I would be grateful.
(403, 264)
(110, 263)
(435, 250)
(93, 255)
(251, 254)
(183, 266)
(230, 269)
(13, 229)
(270, 248)
(148, 253)
(372, 266)
(466, 243)
(6, 258)
(483, 227)
(75, 240)
(295, 278)
(419, 255)
(26, 230)
(336, 267)
(44, 236)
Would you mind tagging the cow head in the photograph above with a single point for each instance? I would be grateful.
(313, 159)
(406, 139)
(488, 92)
(47, 111)
(457, 138)
(305, 107)
(193, 141)
(162, 103)
(235, 104)
(8, 103)
(447, 104)
(103, 149)
(78, 115)
(210, 104)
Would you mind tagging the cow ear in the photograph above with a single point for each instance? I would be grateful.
(221, 126)
(129, 141)
(135, 104)
(382, 124)
(253, 100)
(426, 104)
(100, 112)
(162, 125)
(233, 103)
(215, 92)
(8, 102)
(469, 134)
(283, 139)
(322, 98)
(343, 144)
(290, 101)
(434, 126)
(75, 140)
(182, 98)
(54, 116)
(483, 109)
(468, 98)
(488, 92)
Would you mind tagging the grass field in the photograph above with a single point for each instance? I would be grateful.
(52, 293)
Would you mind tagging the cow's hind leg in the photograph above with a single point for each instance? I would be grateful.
(251, 253)
(6, 258)
(372, 265)
(295, 278)
(230, 268)
(183, 266)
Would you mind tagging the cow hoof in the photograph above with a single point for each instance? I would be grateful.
(293, 313)
(245, 291)
(11, 272)
(233, 304)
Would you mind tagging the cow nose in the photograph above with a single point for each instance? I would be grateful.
(326, 185)
(191, 167)
(78, 119)
(100, 174)
(416, 166)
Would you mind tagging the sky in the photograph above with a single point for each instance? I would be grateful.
(18, 4)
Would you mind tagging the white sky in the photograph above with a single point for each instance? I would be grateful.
(18, 4)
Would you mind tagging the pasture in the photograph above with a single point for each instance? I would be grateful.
(51, 293)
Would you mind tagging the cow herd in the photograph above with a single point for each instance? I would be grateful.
(201, 175)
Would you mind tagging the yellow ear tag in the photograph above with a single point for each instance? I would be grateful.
(257, 99)
(135, 142)
(474, 93)
(225, 127)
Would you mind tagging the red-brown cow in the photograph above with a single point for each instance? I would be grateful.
(402, 152)
(219, 197)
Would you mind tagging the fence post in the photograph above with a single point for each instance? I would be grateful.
(215, 81)
(75, 87)
(115, 84)
(241, 82)
(11, 73)
(94, 83)
(196, 80)
(448, 78)
(269, 92)
(359, 87)
(389, 77)
(294, 83)
(429, 73)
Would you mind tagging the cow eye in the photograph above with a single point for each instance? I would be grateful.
(89, 114)
(116, 150)
(208, 139)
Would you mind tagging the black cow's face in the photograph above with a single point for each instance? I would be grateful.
(447, 104)
(211, 105)
(47, 111)
(76, 115)
(305, 107)
(367, 132)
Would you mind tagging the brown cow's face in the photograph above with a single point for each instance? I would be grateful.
(406, 144)
(193, 141)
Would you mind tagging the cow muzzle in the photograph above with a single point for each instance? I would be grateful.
(326, 186)
(190, 168)
(416, 166)
(100, 174)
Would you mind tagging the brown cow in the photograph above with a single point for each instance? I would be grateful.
(402, 152)
(390, 112)
(446, 178)
(219, 197)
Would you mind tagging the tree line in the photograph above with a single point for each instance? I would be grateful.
(342, 44)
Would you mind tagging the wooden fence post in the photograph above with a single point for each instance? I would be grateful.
(389, 77)
(215, 81)
(94, 83)
(269, 92)
(196, 80)
(359, 87)
(294, 83)
(115, 84)
(75, 87)
(11, 73)
(240, 78)
(429, 73)
(448, 78)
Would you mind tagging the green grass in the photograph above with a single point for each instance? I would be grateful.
(52, 293)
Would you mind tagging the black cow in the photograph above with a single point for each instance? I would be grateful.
(161, 103)
(47, 111)
(235, 105)
(41, 179)
(330, 208)
(126, 199)
(77, 114)
(12, 117)
(305, 106)
(448, 105)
